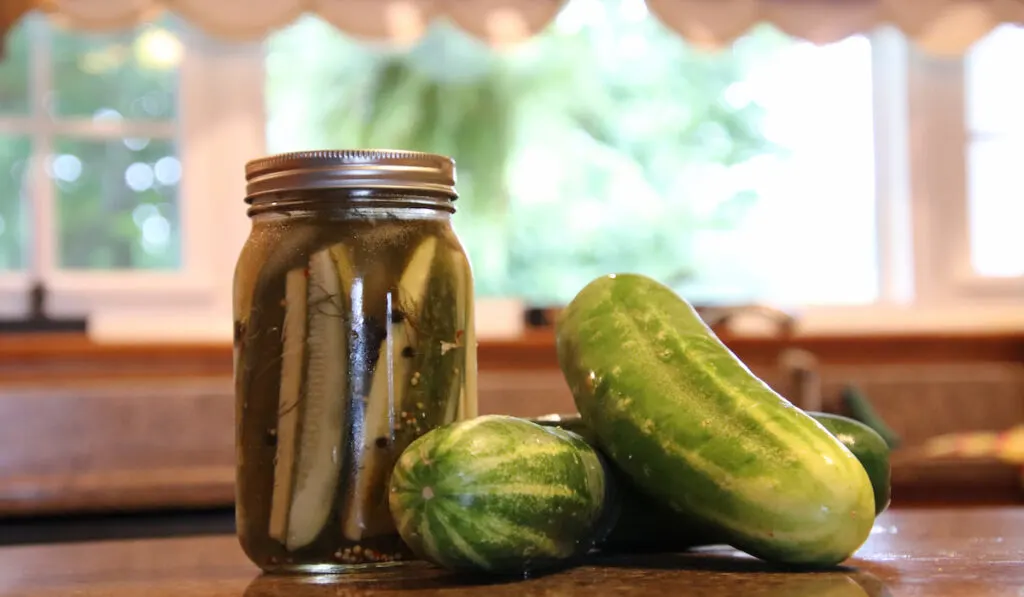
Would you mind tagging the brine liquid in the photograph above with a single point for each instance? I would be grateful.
(352, 338)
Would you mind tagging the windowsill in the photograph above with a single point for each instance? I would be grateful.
(891, 320)
(502, 320)
(496, 319)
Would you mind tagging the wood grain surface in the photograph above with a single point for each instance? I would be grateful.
(934, 553)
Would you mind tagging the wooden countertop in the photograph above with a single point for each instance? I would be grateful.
(935, 553)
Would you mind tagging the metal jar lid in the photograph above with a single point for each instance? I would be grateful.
(369, 169)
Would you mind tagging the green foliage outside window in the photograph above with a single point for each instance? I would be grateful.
(581, 152)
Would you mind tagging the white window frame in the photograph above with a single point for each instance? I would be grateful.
(926, 280)
(220, 125)
(942, 144)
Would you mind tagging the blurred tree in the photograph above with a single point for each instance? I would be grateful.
(633, 140)
(584, 151)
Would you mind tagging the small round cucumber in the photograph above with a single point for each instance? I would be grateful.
(695, 429)
(500, 495)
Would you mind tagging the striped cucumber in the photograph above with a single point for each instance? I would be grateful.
(647, 525)
(366, 505)
(311, 404)
(695, 429)
(500, 495)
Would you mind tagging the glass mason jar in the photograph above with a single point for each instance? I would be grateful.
(354, 334)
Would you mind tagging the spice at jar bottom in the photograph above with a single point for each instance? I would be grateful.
(354, 335)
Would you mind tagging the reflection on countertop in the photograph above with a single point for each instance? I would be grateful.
(938, 553)
(708, 574)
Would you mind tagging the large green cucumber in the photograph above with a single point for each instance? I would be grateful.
(501, 495)
(646, 525)
(695, 429)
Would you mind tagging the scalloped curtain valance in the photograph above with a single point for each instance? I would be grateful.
(944, 27)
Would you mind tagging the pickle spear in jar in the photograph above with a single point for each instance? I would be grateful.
(312, 399)
(433, 388)
(366, 511)
(467, 388)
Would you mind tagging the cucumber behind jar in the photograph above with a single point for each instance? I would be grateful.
(365, 512)
(311, 405)
(647, 524)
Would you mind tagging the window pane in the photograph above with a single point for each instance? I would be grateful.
(131, 75)
(997, 207)
(995, 89)
(608, 144)
(14, 69)
(117, 202)
(14, 173)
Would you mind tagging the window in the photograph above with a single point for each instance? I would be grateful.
(967, 192)
(995, 126)
(610, 144)
(98, 114)
(851, 180)
(105, 195)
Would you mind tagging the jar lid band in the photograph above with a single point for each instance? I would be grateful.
(369, 169)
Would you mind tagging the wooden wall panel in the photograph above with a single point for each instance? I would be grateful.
(169, 442)
(132, 425)
(116, 444)
(87, 427)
